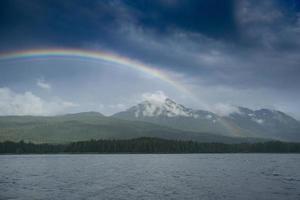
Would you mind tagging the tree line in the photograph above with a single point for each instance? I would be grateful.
(147, 145)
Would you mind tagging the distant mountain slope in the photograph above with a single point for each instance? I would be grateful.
(266, 123)
(86, 126)
(263, 123)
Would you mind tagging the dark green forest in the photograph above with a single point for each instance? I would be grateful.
(147, 145)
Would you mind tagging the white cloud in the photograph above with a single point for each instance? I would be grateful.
(224, 109)
(12, 103)
(260, 121)
(43, 84)
(156, 97)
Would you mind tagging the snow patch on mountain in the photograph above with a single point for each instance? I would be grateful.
(163, 108)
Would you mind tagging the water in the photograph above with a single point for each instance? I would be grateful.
(137, 176)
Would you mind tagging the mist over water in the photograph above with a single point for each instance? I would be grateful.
(149, 176)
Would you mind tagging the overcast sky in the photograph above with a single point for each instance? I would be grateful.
(242, 52)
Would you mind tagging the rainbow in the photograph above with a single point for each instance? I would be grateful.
(107, 57)
(95, 55)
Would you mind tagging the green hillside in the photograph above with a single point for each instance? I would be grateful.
(91, 125)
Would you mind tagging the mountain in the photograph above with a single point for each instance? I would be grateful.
(266, 123)
(91, 125)
(263, 123)
(162, 119)
(169, 113)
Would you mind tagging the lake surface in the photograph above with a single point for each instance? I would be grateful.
(150, 176)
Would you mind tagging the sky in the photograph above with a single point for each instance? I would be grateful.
(207, 54)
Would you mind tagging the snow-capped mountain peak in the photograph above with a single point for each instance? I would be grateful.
(167, 108)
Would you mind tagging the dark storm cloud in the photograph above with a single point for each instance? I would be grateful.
(58, 23)
(269, 24)
(213, 18)
(73, 22)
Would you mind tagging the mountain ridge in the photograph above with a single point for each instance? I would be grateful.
(243, 122)
(163, 119)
